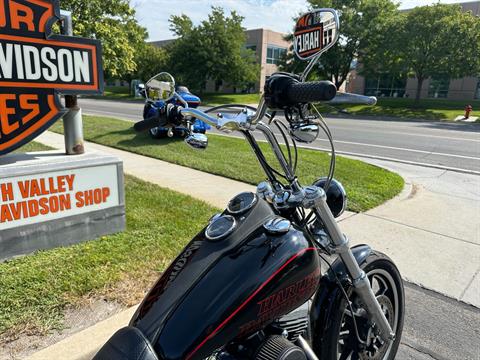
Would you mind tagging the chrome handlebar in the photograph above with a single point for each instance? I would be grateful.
(245, 120)
(348, 98)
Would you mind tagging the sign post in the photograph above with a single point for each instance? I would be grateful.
(72, 120)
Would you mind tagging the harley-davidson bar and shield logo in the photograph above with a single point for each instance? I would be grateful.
(315, 32)
(36, 66)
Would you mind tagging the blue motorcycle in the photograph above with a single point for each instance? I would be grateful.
(152, 109)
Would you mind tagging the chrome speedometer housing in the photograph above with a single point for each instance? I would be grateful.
(242, 202)
(220, 227)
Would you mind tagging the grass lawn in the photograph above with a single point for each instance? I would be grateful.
(427, 109)
(32, 146)
(34, 290)
(116, 93)
(367, 185)
(219, 99)
(123, 93)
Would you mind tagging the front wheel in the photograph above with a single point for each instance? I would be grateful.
(342, 343)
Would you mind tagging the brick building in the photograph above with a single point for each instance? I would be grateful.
(466, 88)
(268, 46)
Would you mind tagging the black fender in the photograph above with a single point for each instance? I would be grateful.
(328, 298)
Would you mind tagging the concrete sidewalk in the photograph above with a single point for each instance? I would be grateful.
(431, 231)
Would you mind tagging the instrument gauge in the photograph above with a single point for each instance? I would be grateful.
(241, 203)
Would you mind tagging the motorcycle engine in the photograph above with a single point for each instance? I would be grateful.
(275, 342)
(276, 347)
(294, 323)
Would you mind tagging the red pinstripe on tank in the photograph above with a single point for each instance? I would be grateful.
(224, 322)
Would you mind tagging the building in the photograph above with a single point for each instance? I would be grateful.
(269, 46)
(386, 85)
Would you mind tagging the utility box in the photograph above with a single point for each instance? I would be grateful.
(48, 199)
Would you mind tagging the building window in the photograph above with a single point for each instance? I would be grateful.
(252, 47)
(274, 54)
(385, 85)
(477, 93)
(438, 87)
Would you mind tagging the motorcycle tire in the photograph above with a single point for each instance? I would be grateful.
(341, 341)
(157, 133)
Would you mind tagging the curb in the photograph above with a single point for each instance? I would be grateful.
(84, 344)
(395, 118)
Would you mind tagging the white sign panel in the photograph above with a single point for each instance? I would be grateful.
(33, 199)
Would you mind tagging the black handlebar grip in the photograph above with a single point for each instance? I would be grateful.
(310, 91)
(147, 124)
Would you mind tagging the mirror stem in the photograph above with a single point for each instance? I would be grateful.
(309, 67)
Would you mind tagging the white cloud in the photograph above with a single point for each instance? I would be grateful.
(407, 4)
(276, 15)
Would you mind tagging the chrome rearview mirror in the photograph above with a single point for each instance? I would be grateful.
(197, 141)
(304, 132)
(315, 32)
(160, 87)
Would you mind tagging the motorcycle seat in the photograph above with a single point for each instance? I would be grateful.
(128, 343)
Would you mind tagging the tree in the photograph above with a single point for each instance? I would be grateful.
(359, 24)
(437, 40)
(214, 50)
(113, 22)
(150, 60)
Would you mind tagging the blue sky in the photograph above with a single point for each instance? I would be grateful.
(271, 14)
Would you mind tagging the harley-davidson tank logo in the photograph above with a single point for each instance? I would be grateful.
(282, 301)
(36, 66)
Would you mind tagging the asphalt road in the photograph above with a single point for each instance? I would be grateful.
(436, 327)
(447, 145)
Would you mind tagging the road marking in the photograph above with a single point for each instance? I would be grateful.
(402, 149)
(409, 134)
(385, 158)
(436, 166)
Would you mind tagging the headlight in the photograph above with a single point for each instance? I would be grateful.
(336, 196)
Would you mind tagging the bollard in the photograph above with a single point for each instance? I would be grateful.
(72, 120)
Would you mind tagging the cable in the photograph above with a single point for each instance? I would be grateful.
(323, 125)
(287, 144)
(346, 298)
(294, 146)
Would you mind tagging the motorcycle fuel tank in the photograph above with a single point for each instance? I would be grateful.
(226, 288)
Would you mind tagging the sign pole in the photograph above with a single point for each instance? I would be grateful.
(72, 120)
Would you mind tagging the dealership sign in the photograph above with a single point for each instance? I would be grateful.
(32, 199)
(36, 66)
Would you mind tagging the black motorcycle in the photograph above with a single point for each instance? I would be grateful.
(272, 277)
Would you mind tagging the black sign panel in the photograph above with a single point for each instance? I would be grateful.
(315, 32)
(36, 66)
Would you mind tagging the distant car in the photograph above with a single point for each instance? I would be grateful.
(193, 101)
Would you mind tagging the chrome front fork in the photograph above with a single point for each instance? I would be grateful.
(313, 197)
(316, 199)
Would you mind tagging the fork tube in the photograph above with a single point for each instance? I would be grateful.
(360, 281)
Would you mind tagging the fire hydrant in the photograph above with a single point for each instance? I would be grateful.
(468, 110)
